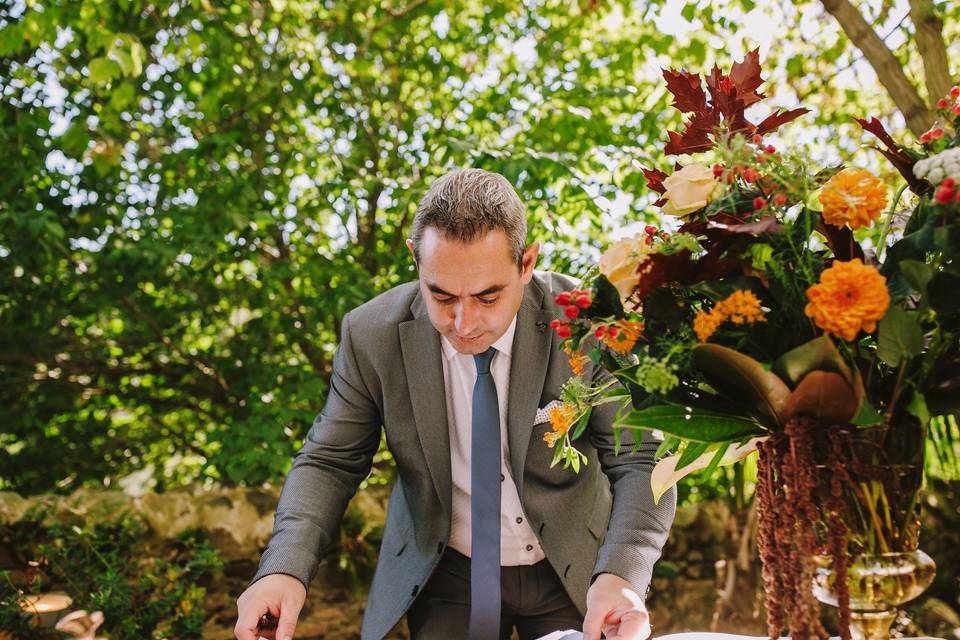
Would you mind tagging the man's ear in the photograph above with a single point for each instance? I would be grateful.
(412, 254)
(528, 261)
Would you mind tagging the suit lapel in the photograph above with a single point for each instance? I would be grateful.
(420, 344)
(528, 370)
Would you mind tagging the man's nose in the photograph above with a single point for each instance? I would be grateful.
(465, 320)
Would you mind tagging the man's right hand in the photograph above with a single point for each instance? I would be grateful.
(277, 594)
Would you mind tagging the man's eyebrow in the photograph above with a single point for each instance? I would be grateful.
(486, 292)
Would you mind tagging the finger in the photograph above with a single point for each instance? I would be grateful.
(246, 627)
(634, 626)
(591, 624)
(289, 612)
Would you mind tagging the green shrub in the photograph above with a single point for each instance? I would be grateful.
(144, 589)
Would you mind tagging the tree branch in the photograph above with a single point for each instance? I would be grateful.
(933, 50)
(888, 69)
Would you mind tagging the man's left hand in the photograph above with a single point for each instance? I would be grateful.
(614, 608)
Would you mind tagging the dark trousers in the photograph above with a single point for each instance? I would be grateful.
(533, 600)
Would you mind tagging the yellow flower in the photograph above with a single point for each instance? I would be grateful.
(561, 418)
(850, 297)
(706, 323)
(623, 335)
(577, 360)
(620, 264)
(740, 307)
(689, 189)
(853, 197)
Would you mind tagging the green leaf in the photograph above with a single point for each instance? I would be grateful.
(942, 293)
(103, 70)
(743, 380)
(900, 336)
(606, 300)
(692, 424)
(817, 354)
(918, 274)
(918, 408)
(867, 415)
(691, 452)
(581, 424)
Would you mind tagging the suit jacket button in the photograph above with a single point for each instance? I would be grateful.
(529, 547)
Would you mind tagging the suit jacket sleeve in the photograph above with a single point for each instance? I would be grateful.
(638, 527)
(335, 458)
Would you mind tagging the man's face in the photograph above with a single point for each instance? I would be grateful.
(473, 290)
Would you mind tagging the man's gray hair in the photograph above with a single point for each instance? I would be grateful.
(466, 205)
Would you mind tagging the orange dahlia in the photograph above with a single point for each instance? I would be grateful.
(850, 297)
(853, 197)
(561, 418)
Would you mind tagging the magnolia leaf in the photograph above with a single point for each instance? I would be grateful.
(743, 380)
(900, 336)
(819, 354)
(666, 474)
(825, 395)
(692, 424)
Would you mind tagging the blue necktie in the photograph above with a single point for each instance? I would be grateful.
(485, 505)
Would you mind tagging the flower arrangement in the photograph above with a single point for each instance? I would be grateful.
(800, 314)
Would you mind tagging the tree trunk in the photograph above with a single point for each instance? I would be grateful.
(888, 69)
(933, 51)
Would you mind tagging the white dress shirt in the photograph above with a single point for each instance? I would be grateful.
(518, 544)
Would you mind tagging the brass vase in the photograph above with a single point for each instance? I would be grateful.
(878, 584)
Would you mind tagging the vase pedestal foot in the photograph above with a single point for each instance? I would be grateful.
(874, 625)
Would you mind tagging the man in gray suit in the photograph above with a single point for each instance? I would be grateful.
(567, 550)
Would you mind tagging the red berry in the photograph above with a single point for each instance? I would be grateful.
(583, 301)
(572, 311)
(563, 299)
(958, 196)
(555, 325)
(956, 109)
(925, 138)
(650, 230)
(757, 138)
(771, 149)
(955, 92)
(600, 332)
(937, 133)
(759, 203)
(717, 170)
(944, 196)
(750, 174)
(948, 183)
(564, 331)
(664, 235)
(780, 199)
(612, 332)
(648, 240)
(942, 103)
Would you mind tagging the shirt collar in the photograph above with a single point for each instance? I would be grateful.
(504, 343)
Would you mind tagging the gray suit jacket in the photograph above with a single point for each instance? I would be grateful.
(388, 373)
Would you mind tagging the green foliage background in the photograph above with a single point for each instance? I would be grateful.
(194, 193)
